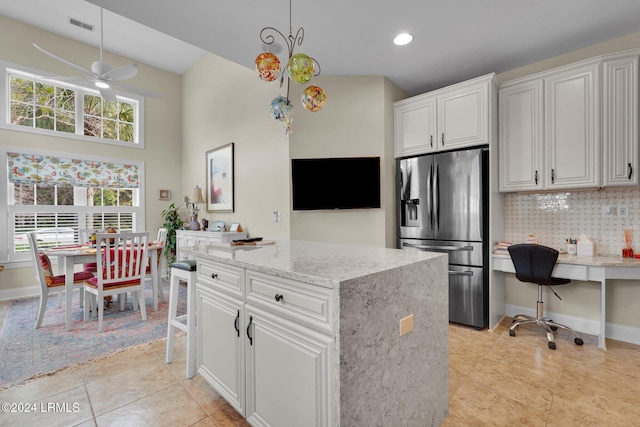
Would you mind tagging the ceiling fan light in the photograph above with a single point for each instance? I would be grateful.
(402, 39)
(102, 85)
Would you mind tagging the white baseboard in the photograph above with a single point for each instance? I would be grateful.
(592, 327)
(31, 291)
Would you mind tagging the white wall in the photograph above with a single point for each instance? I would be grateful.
(162, 152)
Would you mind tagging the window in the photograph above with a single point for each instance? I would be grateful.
(45, 106)
(56, 196)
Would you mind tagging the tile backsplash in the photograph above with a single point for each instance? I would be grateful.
(555, 217)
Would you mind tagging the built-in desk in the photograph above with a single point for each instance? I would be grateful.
(594, 269)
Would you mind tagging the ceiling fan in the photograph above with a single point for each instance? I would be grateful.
(101, 75)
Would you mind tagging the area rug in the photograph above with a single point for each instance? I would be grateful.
(26, 352)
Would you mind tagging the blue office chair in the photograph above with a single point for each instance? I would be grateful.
(535, 264)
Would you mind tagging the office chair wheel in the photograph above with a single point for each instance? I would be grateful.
(512, 333)
(552, 345)
(578, 341)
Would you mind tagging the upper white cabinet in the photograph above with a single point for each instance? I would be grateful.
(572, 146)
(572, 127)
(620, 121)
(457, 116)
(520, 136)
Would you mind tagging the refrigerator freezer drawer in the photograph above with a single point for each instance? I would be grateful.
(466, 296)
(460, 253)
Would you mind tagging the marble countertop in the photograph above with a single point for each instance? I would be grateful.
(596, 261)
(324, 264)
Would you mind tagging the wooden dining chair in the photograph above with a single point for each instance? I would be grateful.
(48, 282)
(122, 261)
(161, 237)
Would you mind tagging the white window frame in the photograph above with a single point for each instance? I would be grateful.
(23, 259)
(7, 69)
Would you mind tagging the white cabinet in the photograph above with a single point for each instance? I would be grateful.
(572, 137)
(186, 238)
(549, 130)
(620, 121)
(454, 117)
(521, 136)
(265, 343)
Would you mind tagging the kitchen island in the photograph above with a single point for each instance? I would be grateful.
(309, 334)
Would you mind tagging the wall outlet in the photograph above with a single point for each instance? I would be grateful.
(607, 211)
(623, 211)
(406, 325)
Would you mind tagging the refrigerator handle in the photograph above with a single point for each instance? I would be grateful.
(461, 273)
(436, 197)
(429, 195)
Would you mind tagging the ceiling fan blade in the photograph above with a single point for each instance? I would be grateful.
(68, 63)
(122, 73)
(133, 89)
(108, 94)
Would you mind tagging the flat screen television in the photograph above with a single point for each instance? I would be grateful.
(336, 183)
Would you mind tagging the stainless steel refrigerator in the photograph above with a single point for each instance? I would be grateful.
(443, 207)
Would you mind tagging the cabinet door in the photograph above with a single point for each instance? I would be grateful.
(620, 122)
(287, 373)
(463, 117)
(181, 242)
(521, 137)
(572, 141)
(415, 127)
(220, 344)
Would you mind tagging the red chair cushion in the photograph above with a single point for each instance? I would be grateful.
(45, 262)
(91, 267)
(93, 282)
(77, 277)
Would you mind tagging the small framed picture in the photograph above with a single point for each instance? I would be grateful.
(234, 226)
(164, 194)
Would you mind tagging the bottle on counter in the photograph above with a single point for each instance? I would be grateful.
(531, 239)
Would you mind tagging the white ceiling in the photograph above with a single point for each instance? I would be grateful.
(454, 40)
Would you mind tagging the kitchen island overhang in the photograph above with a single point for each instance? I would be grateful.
(352, 299)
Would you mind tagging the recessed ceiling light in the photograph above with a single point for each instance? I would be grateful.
(403, 39)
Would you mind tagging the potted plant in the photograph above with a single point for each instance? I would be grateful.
(172, 222)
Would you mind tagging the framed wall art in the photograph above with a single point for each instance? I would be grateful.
(220, 179)
(164, 194)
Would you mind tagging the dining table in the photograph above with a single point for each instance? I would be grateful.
(70, 255)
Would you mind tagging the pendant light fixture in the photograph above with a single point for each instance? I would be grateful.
(300, 68)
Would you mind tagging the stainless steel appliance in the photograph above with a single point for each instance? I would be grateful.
(443, 207)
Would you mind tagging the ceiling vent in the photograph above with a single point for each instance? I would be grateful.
(80, 24)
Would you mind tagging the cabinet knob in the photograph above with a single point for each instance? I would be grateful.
(214, 275)
(279, 297)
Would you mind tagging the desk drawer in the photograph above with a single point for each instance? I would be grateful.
(571, 271)
(298, 300)
(224, 277)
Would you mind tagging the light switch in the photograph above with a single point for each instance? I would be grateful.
(607, 211)
(623, 211)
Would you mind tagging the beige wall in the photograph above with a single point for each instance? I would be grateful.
(581, 299)
(225, 102)
(356, 121)
(162, 152)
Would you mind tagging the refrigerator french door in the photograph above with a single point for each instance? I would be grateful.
(442, 208)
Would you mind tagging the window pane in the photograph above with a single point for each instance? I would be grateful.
(125, 197)
(23, 194)
(45, 195)
(66, 121)
(65, 196)
(21, 89)
(51, 229)
(44, 94)
(126, 132)
(126, 112)
(109, 197)
(21, 114)
(110, 130)
(93, 126)
(44, 118)
(111, 109)
(66, 99)
(92, 105)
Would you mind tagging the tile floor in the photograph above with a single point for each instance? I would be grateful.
(495, 380)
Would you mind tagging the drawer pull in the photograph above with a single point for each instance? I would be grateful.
(214, 275)
(236, 323)
(249, 330)
(279, 297)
